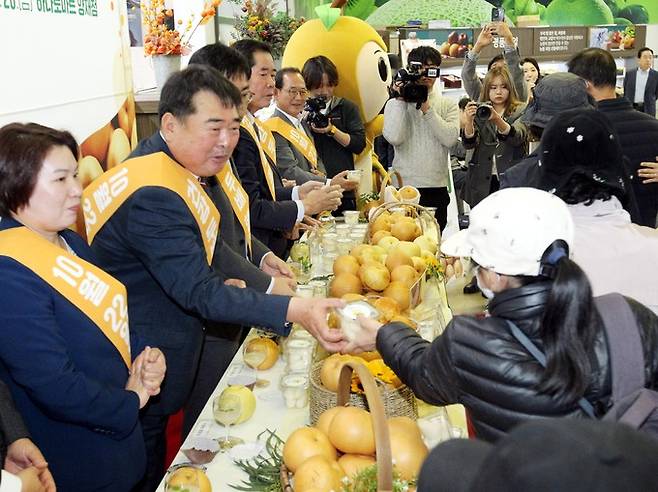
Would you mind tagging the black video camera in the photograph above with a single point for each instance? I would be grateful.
(314, 107)
(408, 86)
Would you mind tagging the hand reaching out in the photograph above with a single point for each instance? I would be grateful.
(276, 267)
(341, 180)
(312, 314)
(366, 338)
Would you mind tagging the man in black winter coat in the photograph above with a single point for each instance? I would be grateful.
(638, 132)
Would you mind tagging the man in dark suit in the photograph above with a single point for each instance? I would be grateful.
(261, 270)
(641, 84)
(273, 215)
(638, 132)
(23, 465)
(153, 245)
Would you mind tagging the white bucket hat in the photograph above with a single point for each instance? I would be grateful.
(510, 230)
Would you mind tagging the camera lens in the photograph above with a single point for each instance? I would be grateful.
(483, 112)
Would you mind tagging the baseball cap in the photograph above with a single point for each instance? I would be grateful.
(553, 94)
(581, 142)
(546, 455)
(510, 230)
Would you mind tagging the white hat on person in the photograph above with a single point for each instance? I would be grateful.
(510, 230)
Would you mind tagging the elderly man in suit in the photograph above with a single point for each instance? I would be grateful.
(237, 255)
(641, 84)
(296, 156)
(159, 238)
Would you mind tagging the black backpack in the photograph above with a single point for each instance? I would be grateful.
(632, 403)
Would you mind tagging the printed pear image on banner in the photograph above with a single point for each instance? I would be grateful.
(364, 72)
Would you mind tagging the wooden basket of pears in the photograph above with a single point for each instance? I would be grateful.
(405, 221)
(309, 472)
(392, 264)
(354, 449)
(397, 399)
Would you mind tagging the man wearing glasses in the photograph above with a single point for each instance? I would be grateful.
(296, 156)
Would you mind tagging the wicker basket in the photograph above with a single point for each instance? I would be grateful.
(379, 424)
(397, 402)
(412, 210)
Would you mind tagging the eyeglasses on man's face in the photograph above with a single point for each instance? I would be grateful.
(297, 92)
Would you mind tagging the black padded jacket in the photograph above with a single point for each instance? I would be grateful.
(478, 363)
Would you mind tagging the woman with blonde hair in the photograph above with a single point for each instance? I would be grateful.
(493, 129)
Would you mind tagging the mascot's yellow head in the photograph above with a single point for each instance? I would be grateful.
(356, 49)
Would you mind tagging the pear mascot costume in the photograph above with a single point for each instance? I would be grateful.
(364, 72)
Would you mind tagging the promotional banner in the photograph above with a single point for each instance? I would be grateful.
(67, 65)
(473, 13)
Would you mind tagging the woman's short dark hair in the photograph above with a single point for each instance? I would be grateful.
(534, 63)
(315, 68)
(23, 148)
(178, 93)
(425, 55)
(278, 79)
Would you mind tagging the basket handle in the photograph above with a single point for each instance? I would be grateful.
(379, 423)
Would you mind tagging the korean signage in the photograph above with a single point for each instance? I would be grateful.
(551, 41)
(66, 7)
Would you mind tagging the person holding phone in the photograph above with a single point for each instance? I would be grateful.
(509, 57)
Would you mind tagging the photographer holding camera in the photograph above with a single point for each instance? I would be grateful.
(338, 132)
(422, 126)
(494, 130)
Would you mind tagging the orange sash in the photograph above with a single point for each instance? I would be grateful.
(267, 139)
(267, 168)
(101, 297)
(238, 198)
(297, 138)
(107, 193)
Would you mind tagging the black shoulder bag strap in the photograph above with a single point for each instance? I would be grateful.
(521, 337)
